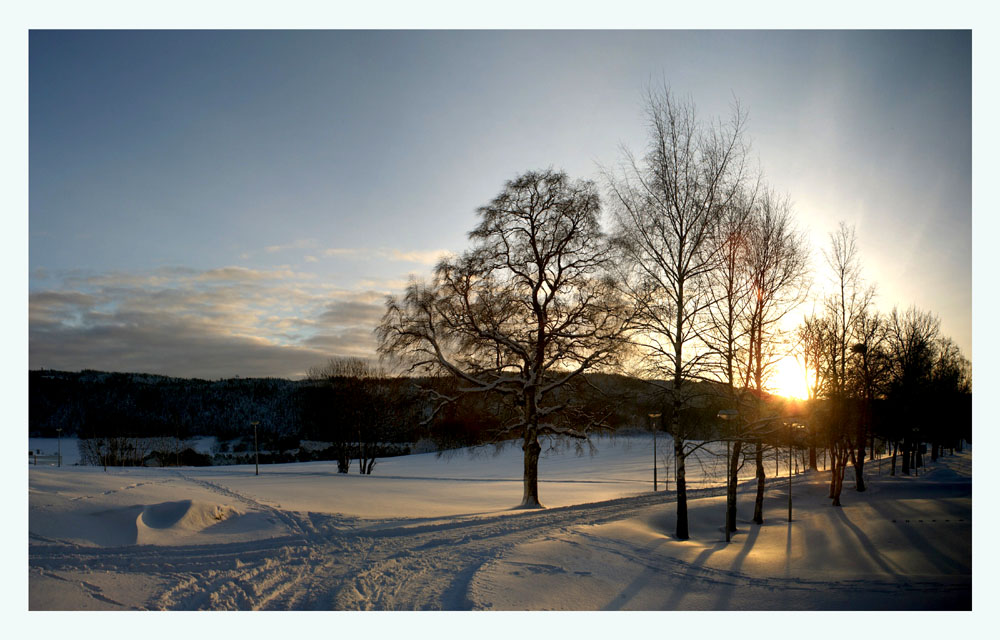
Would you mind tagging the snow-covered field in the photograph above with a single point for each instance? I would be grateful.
(429, 532)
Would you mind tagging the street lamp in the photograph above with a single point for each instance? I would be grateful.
(651, 417)
(789, 472)
(256, 450)
(791, 425)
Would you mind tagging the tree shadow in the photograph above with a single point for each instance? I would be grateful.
(869, 547)
(681, 586)
(642, 581)
(788, 551)
(722, 602)
(941, 560)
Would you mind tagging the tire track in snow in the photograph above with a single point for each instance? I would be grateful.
(295, 523)
(331, 562)
(430, 567)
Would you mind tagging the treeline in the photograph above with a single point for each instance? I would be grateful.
(94, 403)
(347, 410)
(883, 383)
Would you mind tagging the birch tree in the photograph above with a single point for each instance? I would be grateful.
(667, 206)
(731, 299)
(850, 299)
(777, 264)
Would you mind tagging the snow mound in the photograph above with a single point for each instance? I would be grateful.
(164, 522)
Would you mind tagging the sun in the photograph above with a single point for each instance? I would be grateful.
(789, 379)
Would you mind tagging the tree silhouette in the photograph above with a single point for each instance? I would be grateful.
(668, 208)
(522, 314)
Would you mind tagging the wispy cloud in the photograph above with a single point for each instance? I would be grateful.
(431, 257)
(418, 257)
(211, 323)
(337, 252)
(306, 243)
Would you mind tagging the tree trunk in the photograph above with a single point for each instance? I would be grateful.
(532, 449)
(812, 458)
(838, 478)
(758, 503)
(859, 467)
(731, 489)
(367, 466)
(833, 471)
(840, 456)
(681, 480)
(905, 451)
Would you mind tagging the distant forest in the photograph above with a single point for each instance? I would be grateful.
(352, 413)
(342, 409)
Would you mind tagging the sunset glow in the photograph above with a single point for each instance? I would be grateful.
(789, 379)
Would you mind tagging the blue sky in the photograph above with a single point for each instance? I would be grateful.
(239, 203)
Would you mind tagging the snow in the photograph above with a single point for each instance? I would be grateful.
(440, 532)
(69, 446)
(50, 447)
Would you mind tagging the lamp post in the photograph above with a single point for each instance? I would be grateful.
(651, 417)
(59, 447)
(256, 450)
(791, 441)
(789, 472)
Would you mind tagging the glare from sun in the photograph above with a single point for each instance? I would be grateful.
(789, 379)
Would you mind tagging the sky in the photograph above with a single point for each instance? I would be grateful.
(222, 203)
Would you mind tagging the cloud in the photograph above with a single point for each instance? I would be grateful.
(419, 257)
(333, 253)
(186, 322)
(166, 345)
(431, 257)
(353, 313)
(232, 274)
(356, 342)
(307, 243)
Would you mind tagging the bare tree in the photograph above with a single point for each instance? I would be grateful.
(867, 374)
(726, 334)
(667, 208)
(365, 412)
(910, 341)
(522, 314)
(850, 299)
(777, 265)
(731, 291)
(812, 337)
(951, 382)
